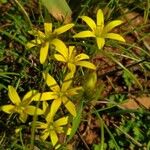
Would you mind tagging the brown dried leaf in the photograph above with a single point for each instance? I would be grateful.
(137, 103)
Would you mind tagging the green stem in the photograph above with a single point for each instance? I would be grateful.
(24, 12)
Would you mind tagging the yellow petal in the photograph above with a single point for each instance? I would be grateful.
(54, 107)
(44, 96)
(8, 109)
(50, 81)
(89, 21)
(71, 52)
(115, 36)
(86, 64)
(69, 105)
(57, 146)
(81, 56)
(60, 47)
(67, 81)
(100, 18)
(33, 43)
(62, 121)
(37, 33)
(41, 125)
(58, 129)
(47, 28)
(53, 137)
(45, 135)
(13, 95)
(32, 110)
(74, 91)
(23, 117)
(100, 42)
(84, 34)
(68, 131)
(45, 106)
(72, 67)
(63, 29)
(112, 25)
(44, 52)
(59, 57)
(28, 96)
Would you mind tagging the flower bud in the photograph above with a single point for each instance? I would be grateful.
(91, 81)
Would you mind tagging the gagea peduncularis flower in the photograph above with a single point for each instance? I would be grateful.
(23, 108)
(98, 30)
(47, 38)
(51, 128)
(70, 56)
(60, 94)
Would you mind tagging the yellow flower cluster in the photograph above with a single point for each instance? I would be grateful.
(63, 93)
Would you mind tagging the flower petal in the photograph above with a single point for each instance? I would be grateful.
(71, 52)
(53, 137)
(86, 64)
(67, 81)
(13, 95)
(74, 91)
(50, 81)
(81, 56)
(72, 67)
(69, 105)
(8, 109)
(45, 107)
(100, 42)
(32, 110)
(100, 18)
(114, 36)
(41, 125)
(28, 96)
(37, 33)
(59, 57)
(89, 21)
(48, 28)
(112, 25)
(53, 109)
(44, 52)
(61, 121)
(44, 96)
(60, 47)
(45, 135)
(84, 34)
(63, 29)
(23, 117)
(33, 43)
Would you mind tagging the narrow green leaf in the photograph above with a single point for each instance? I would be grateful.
(76, 121)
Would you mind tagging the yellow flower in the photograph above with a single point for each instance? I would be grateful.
(47, 38)
(21, 107)
(69, 56)
(52, 128)
(59, 94)
(99, 31)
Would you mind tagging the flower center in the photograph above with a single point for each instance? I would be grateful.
(60, 94)
(51, 126)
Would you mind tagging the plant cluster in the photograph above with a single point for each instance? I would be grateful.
(48, 104)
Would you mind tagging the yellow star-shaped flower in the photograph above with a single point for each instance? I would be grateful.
(98, 30)
(59, 94)
(47, 38)
(21, 107)
(69, 56)
(51, 128)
